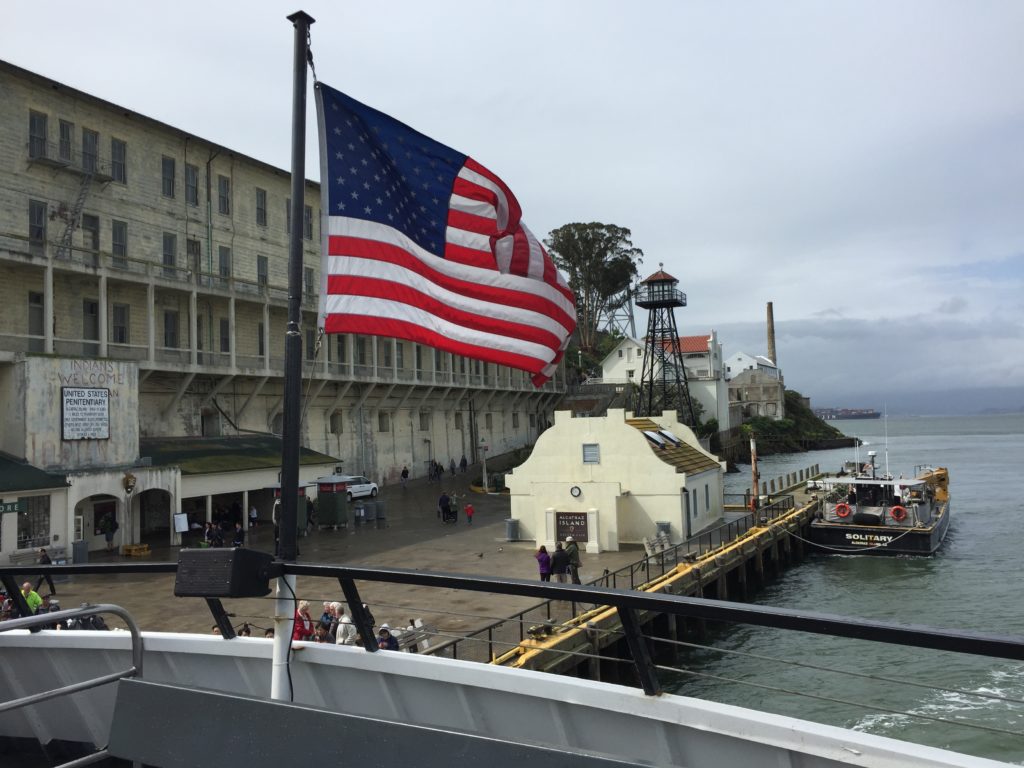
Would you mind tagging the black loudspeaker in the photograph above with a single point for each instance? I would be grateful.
(236, 572)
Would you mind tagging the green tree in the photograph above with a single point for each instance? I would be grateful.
(600, 261)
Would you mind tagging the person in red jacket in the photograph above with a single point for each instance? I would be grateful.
(303, 622)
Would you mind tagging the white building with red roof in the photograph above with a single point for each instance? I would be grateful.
(705, 374)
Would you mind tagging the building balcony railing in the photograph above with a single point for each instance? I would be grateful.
(60, 155)
(656, 295)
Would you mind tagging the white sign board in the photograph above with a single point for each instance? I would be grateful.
(180, 522)
(85, 413)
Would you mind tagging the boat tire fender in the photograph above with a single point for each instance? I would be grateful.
(842, 509)
(898, 513)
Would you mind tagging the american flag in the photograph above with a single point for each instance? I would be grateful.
(423, 243)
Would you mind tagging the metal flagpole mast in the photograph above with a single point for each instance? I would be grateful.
(284, 594)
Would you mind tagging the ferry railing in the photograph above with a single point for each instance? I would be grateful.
(34, 623)
(629, 604)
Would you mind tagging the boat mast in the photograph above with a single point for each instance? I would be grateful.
(287, 551)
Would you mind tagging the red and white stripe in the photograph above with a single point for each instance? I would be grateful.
(495, 296)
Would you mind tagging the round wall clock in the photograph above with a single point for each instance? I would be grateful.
(575, 491)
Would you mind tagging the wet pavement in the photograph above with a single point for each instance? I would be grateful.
(410, 536)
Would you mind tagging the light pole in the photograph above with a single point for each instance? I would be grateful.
(483, 458)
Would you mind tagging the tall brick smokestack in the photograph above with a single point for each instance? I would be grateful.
(771, 336)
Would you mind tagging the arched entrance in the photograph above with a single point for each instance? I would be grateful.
(95, 517)
(153, 508)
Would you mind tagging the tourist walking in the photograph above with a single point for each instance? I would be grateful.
(44, 559)
(444, 507)
(463, 464)
(572, 549)
(239, 538)
(451, 466)
(254, 516)
(559, 563)
(544, 563)
(469, 513)
(405, 477)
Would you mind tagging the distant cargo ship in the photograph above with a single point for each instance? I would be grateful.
(829, 414)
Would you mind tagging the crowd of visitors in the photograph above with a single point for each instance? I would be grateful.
(564, 562)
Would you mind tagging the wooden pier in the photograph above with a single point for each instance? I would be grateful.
(734, 571)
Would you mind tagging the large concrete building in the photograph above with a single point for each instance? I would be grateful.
(144, 300)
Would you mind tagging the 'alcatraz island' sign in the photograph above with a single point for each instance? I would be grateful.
(85, 413)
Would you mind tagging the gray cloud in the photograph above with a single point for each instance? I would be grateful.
(861, 165)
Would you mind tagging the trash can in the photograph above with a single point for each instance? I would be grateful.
(369, 511)
(80, 552)
(381, 517)
(511, 529)
(664, 527)
(359, 513)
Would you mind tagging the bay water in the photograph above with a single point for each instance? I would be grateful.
(974, 582)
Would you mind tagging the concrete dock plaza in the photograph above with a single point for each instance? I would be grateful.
(412, 536)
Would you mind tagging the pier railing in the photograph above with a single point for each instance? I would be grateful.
(497, 635)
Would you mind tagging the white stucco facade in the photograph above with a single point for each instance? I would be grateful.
(606, 470)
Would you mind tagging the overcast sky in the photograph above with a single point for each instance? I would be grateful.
(860, 164)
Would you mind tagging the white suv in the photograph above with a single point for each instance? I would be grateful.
(360, 486)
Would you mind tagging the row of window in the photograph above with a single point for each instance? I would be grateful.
(89, 159)
(384, 421)
(40, 147)
(120, 333)
(90, 226)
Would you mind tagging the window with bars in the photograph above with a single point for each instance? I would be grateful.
(36, 227)
(191, 184)
(225, 335)
(261, 207)
(119, 160)
(167, 176)
(591, 453)
(224, 195)
(224, 261)
(170, 254)
(34, 522)
(119, 243)
(310, 344)
(515, 420)
(307, 222)
(261, 344)
(90, 149)
(309, 281)
(341, 347)
(262, 271)
(171, 329)
(67, 140)
(425, 420)
(383, 421)
(37, 132)
(119, 325)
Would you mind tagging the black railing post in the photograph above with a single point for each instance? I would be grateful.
(645, 670)
(359, 615)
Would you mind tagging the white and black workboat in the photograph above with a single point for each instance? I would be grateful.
(863, 512)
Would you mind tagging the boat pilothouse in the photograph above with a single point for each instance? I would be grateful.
(863, 511)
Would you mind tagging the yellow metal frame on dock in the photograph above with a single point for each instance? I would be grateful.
(529, 651)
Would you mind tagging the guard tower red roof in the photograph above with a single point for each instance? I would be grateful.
(659, 276)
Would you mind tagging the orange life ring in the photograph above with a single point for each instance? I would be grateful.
(898, 513)
(842, 509)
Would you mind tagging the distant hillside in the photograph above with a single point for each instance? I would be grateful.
(800, 431)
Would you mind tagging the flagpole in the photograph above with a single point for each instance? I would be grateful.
(284, 595)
